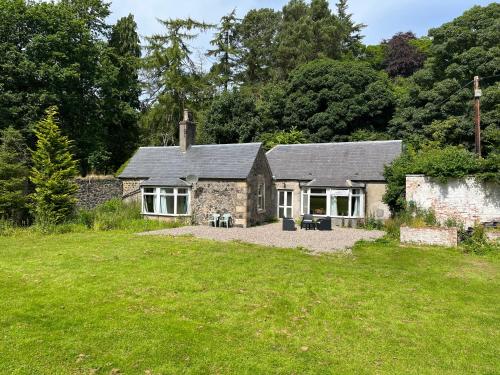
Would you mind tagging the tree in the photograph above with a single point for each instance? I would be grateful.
(293, 136)
(120, 97)
(257, 33)
(13, 175)
(233, 118)
(226, 50)
(329, 99)
(401, 57)
(174, 81)
(349, 32)
(442, 90)
(52, 173)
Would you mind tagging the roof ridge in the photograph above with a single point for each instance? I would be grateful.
(208, 145)
(336, 143)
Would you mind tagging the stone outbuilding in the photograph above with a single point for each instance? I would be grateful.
(191, 182)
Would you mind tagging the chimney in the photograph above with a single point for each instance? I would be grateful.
(187, 131)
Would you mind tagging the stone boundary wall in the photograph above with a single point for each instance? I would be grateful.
(95, 190)
(429, 236)
(466, 200)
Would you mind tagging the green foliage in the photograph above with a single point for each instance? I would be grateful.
(226, 50)
(53, 172)
(118, 215)
(438, 163)
(233, 118)
(440, 94)
(331, 99)
(478, 243)
(292, 136)
(372, 223)
(13, 175)
(7, 227)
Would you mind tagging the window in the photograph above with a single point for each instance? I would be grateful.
(165, 201)
(333, 202)
(285, 205)
(261, 201)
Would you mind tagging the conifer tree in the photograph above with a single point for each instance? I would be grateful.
(52, 173)
(13, 175)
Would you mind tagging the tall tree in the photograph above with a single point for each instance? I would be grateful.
(120, 94)
(226, 50)
(257, 33)
(174, 80)
(52, 173)
(349, 31)
(401, 57)
(438, 98)
(329, 99)
(13, 175)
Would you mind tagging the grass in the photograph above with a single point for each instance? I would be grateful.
(91, 302)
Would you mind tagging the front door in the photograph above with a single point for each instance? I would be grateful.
(285, 204)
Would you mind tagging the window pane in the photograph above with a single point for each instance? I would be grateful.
(149, 203)
(182, 205)
(149, 190)
(318, 191)
(167, 204)
(355, 206)
(289, 198)
(167, 191)
(305, 204)
(281, 195)
(342, 206)
(356, 191)
(289, 212)
(182, 191)
(280, 212)
(318, 205)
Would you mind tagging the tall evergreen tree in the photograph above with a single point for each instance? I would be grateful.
(226, 48)
(52, 173)
(13, 175)
(174, 80)
(349, 31)
(120, 94)
(257, 32)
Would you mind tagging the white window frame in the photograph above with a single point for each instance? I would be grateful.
(286, 205)
(157, 193)
(306, 194)
(261, 196)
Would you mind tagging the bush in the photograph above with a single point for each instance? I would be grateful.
(477, 242)
(7, 227)
(371, 223)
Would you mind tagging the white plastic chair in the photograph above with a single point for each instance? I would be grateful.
(214, 220)
(226, 220)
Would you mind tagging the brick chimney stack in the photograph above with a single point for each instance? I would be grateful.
(187, 131)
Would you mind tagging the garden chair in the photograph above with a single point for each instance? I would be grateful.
(214, 220)
(226, 220)
(325, 224)
(288, 224)
(307, 222)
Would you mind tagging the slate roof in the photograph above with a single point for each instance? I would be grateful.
(224, 161)
(331, 164)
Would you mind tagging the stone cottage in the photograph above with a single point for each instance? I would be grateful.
(190, 182)
(341, 180)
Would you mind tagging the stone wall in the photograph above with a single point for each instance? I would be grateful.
(95, 190)
(131, 189)
(429, 236)
(222, 196)
(466, 200)
(260, 173)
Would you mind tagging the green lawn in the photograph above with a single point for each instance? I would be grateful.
(93, 302)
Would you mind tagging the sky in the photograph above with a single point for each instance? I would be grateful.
(383, 17)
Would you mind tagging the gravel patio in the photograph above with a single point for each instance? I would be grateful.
(337, 240)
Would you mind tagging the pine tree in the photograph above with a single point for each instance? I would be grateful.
(13, 175)
(349, 31)
(226, 49)
(52, 173)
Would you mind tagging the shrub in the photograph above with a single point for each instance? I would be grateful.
(7, 227)
(371, 223)
(477, 242)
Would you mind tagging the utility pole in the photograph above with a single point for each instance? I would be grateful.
(477, 115)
